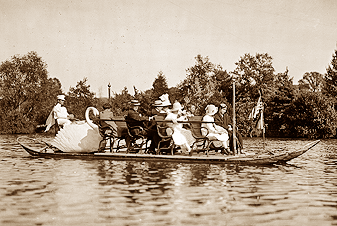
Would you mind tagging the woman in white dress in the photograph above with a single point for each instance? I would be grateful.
(181, 137)
(214, 131)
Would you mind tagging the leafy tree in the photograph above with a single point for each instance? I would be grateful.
(224, 85)
(26, 92)
(160, 86)
(310, 115)
(48, 98)
(79, 98)
(21, 79)
(254, 73)
(313, 81)
(280, 99)
(120, 102)
(199, 85)
(330, 79)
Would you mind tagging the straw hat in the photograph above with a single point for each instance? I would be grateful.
(211, 109)
(166, 103)
(223, 106)
(165, 100)
(135, 102)
(61, 97)
(157, 103)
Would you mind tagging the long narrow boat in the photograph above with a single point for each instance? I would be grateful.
(254, 159)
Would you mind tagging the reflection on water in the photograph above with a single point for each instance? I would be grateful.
(36, 191)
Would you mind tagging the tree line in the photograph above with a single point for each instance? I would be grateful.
(308, 110)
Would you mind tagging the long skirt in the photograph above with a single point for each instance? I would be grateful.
(182, 136)
(220, 137)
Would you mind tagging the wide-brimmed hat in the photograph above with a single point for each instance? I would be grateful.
(223, 106)
(61, 97)
(135, 102)
(176, 107)
(165, 100)
(157, 103)
(211, 109)
(166, 103)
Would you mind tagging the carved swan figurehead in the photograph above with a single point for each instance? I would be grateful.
(80, 136)
(87, 118)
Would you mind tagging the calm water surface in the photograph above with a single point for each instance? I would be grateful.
(36, 191)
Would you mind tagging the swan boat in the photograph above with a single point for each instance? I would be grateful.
(81, 140)
(247, 159)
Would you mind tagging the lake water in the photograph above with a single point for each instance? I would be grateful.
(36, 191)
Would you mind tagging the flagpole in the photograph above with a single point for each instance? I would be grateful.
(262, 122)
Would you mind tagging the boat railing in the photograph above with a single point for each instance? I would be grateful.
(194, 123)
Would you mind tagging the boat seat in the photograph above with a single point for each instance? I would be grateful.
(165, 144)
(202, 142)
(135, 142)
(111, 134)
(122, 131)
(56, 125)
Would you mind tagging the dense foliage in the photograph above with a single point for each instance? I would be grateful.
(330, 79)
(27, 95)
(79, 98)
(25, 92)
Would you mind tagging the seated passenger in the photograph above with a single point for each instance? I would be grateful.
(59, 113)
(181, 137)
(222, 119)
(135, 119)
(215, 131)
(161, 108)
(107, 125)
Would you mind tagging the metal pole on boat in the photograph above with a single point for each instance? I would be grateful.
(262, 122)
(234, 121)
(263, 130)
(264, 138)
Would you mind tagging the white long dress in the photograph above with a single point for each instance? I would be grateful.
(180, 136)
(215, 131)
(61, 115)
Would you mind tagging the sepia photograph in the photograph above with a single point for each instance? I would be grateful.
(168, 112)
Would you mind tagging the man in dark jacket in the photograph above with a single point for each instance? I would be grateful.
(222, 119)
(135, 120)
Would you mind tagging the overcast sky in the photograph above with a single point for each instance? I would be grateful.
(128, 42)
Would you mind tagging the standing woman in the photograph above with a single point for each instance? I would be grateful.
(215, 131)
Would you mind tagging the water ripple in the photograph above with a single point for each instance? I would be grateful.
(36, 191)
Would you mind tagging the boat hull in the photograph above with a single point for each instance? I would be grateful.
(216, 159)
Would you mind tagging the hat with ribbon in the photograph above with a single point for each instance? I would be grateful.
(165, 100)
(223, 106)
(135, 102)
(211, 109)
(61, 97)
(157, 103)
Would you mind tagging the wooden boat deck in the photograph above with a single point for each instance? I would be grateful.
(264, 159)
